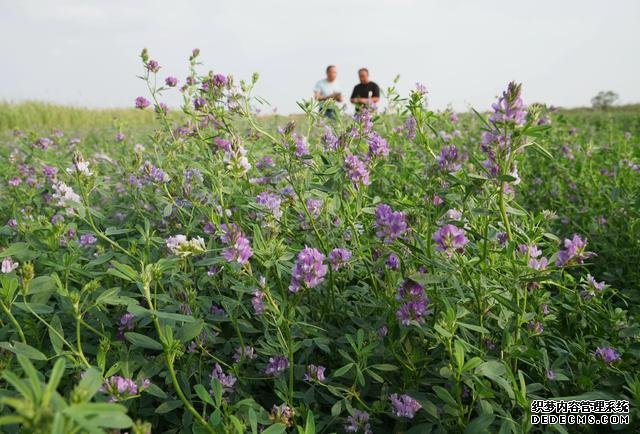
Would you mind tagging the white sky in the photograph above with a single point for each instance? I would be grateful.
(86, 52)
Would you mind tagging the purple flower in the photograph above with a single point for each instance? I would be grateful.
(378, 146)
(329, 139)
(171, 81)
(509, 108)
(389, 224)
(265, 162)
(87, 240)
(315, 373)
(12, 223)
(421, 88)
(414, 303)
(258, 302)
(8, 265)
(43, 143)
(574, 252)
(404, 405)
(593, 283)
(314, 206)
(238, 246)
(607, 354)
(358, 422)
(227, 381)
(126, 323)
(270, 201)
(49, 172)
(383, 331)
(309, 270)
(301, 146)
(219, 80)
(356, 170)
(244, 353)
(15, 181)
(199, 103)
(276, 366)
(120, 388)
(449, 159)
(551, 375)
(120, 136)
(142, 103)
(450, 238)
(282, 414)
(338, 258)
(393, 262)
(410, 126)
(536, 327)
(153, 66)
(222, 143)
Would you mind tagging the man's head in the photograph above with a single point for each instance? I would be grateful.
(363, 75)
(332, 72)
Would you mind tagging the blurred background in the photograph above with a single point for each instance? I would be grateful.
(85, 52)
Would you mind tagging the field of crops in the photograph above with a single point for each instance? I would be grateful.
(397, 271)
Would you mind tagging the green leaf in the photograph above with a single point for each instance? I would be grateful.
(89, 384)
(143, 341)
(203, 394)
(341, 371)
(384, 367)
(310, 426)
(458, 352)
(189, 331)
(480, 424)
(276, 428)
(168, 406)
(444, 395)
(54, 381)
(41, 284)
(26, 350)
(17, 250)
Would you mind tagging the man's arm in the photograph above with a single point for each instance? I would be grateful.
(375, 96)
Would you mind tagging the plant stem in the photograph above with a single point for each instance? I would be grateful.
(14, 322)
(503, 211)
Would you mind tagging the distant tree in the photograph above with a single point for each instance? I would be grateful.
(604, 99)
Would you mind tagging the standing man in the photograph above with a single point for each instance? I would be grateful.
(328, 89)
(366, 92)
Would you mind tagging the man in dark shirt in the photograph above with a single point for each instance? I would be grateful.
(366, 92)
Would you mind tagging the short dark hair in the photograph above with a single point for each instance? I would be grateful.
(363, 69)
(329, 67)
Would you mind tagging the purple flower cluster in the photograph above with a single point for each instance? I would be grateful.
(282, 414)
(378, 146)
(449, 160)
(87, 240)
(358, 422)
(257, 301)
(574, 252)
(356, 170)
(8, 265)
(276, 366)
(227, 381)
(151, 173)
(125, 324)
(142, 103)
(120, 388)
(270, 201)
(244, 353)
(330, 140)
(389, 224)
(309, 270)
(449, 239)
(315, 373)
(238, 246)
(411, 128)
(509, 108)
(414, 303)
(607, 354)
(338, 257)
(404, 406)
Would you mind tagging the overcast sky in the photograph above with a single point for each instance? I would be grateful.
(86, 52)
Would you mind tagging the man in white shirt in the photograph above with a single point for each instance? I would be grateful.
(328, 89)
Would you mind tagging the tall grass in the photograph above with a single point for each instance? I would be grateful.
(37, 115)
